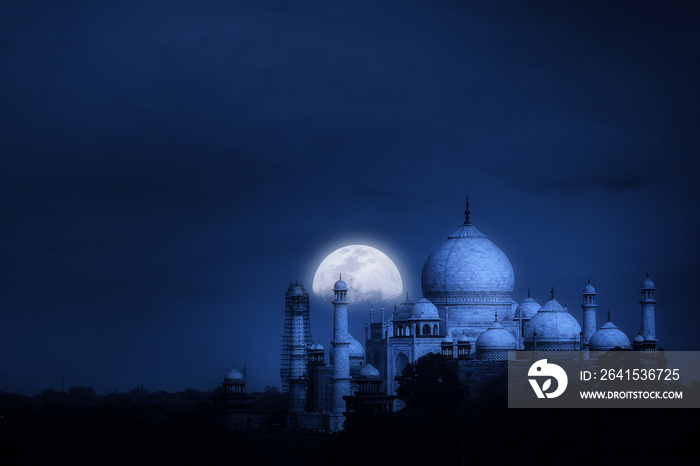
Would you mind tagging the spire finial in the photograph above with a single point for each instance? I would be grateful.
(340, 276)
(589, 281)
(466, 213)
(495, 317)
(407, 296)
(528, 292)
(552, 292)
(608, 315)
(647, 274)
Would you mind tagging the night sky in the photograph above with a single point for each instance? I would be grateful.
(167, 168)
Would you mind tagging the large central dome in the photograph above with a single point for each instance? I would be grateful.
(467, 268)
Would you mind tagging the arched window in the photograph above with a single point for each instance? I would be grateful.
(408, 330)
(426, 329)
(435, 329)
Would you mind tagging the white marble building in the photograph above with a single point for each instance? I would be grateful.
(468, 312)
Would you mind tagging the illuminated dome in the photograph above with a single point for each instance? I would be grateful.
(369, 372)
(424, 310)
(588, 289)
(608, 337)
(647, 284)
(495, 338)
(403, 311)
(356, 349)
(639, 338)
(554, 327)
(467, 268)
(340, 285)
(233, 376)
(527, 309)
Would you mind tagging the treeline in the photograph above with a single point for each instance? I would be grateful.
(137, 426)
(86, 397)
(444, 423)
(81, 397)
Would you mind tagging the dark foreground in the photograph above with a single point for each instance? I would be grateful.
(483, 433)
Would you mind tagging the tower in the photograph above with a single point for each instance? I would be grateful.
(297, 352)
(648, 301)
(341, 345)
(235, 404)
(296, 331)
(589, 308)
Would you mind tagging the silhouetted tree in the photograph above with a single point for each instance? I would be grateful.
(48, 397)
(81, 395)
(270, 400)
(430, 386)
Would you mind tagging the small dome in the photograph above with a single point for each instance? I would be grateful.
(355, 350)
(447, 340)
(233, 376)
(319, 346)
(340, 286)
(528, 308)
(495, 338)
(607, 338)
(369, 372)
(296, 290)
(404, 310)
(554, 326)
(462, 339)
(647, 284)
(639, 338)
(424, 310)
(588, 289)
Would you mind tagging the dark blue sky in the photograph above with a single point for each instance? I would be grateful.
(167, 168)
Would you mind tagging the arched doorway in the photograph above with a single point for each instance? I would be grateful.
(400, 361)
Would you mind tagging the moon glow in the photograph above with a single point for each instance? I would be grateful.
(369, 273)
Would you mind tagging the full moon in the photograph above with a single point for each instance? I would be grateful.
(369, 273)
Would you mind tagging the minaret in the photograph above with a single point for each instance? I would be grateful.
(341, 346)
(648, 301)
(298, 356)
(589, 307)
(296, 308)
